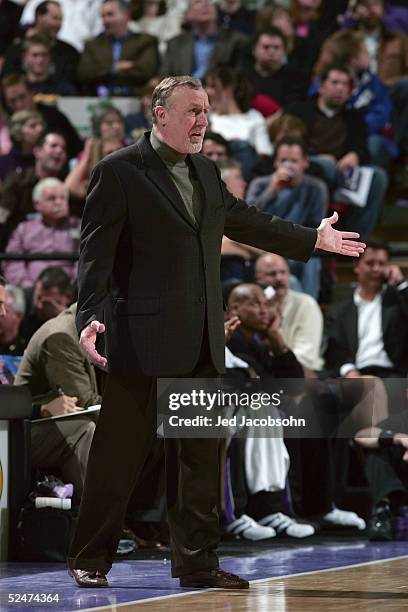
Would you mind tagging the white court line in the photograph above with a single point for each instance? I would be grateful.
(257, 581)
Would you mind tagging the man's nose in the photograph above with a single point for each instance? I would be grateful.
(202, 120)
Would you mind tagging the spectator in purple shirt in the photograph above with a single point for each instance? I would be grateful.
(53, 231)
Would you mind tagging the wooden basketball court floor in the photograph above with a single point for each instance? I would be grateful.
(334, 576)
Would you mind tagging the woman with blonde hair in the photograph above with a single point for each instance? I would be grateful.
(108, 135)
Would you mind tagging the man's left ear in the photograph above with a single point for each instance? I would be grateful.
(160, 113)
(306, 162)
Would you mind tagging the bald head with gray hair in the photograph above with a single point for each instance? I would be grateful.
(165, 88)
(47, 183)
(17, 302)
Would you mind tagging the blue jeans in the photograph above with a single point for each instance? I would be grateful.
(361, 220)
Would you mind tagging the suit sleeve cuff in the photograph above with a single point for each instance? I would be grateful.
(346, 368)
(402, 285)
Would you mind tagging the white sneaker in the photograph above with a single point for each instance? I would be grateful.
(344, 518)
(125, 547)
(286, 525)
(245, 527)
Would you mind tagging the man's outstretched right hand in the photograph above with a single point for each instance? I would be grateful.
(87, 341)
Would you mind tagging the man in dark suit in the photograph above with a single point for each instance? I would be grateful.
(205, 46)
(367, 334)
(149, 274)
(117, 61)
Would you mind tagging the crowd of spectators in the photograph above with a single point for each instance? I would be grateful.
(309, 101)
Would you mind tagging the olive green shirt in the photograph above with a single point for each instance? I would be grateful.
(183, 176)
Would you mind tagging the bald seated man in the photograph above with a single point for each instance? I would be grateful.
(301, 317)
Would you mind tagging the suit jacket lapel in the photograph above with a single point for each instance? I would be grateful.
(157, 172)
(387, 310)
(206, 179)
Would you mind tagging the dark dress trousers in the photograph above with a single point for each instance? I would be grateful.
(152, 276)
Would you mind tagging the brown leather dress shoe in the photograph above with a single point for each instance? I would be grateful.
(89, 579)
(214, 578)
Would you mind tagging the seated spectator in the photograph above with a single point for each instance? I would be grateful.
(357, 343)
(388, 59)
(395, 15)
(291, 194)
(386, 472)
(50, 296)
(108, 124)
(277, 17)
(36, 59)
(215, 147)
(54, 231)
(288, 192)
(310, 33)
(259, 343)
(53, 363)
(26, 128)
(369, 95)
(270, 359)
(337, 140)
(233, 16)
(388, 49)
(137, 123)
(17, 96)
(230, 96)
(64, 57)
(117, 62)
(16, 199)
(301, 317)
(367, 334)
(12, 341)
(274, 82)
(205, 46)
(108, 131)
(152, 17)
(81, 20)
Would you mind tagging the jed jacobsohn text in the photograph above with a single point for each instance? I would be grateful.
(222, 399)
(235, 421)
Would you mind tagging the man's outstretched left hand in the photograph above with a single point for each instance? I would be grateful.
(334, 241)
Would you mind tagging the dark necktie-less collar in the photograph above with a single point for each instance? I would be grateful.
(167, 154)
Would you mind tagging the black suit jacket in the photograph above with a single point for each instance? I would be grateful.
(341, 334)
(95, 66)
(179, 57)
(266, 365)
(150, 274)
